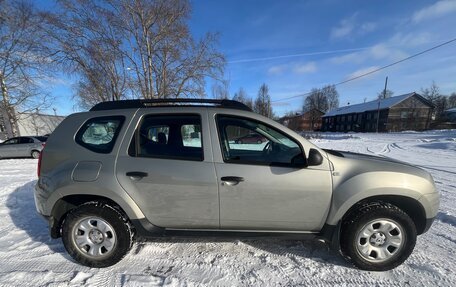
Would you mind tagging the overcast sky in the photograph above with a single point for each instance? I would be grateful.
(293, 46)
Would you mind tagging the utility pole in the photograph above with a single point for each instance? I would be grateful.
(378, 108)
(386, 84)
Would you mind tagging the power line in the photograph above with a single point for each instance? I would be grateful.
(375, 70)
(297, 55)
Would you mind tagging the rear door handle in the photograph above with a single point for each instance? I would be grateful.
(137, 175)
(232, 180)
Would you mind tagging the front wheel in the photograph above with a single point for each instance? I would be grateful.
(96, 235)
(378, 237)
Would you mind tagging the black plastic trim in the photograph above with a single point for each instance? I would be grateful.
(143, 228)
(331, 234)
(429, 222)
(135, 104)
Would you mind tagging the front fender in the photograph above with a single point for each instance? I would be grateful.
(353, 190)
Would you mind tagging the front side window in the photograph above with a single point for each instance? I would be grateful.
(12, 141)
(168, 136)
(99, 134)
(251, 142)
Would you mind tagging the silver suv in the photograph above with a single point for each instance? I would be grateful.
(157, 167)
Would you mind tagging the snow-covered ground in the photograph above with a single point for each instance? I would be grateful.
(28, 257)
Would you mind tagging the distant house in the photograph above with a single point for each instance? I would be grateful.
(30, 124)
(37, 124)
(406, 112)
(308, 121)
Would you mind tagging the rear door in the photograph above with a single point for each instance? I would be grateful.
(166, 166)
(25, 146)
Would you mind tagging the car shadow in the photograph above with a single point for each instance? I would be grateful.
(294, 247)
(21, 205)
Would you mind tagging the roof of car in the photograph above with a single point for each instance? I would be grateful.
(135, 104)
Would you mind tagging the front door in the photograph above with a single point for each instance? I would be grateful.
(261, 188)
(9, 148)
(166, 167)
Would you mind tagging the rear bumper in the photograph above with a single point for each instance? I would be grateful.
(54, 230)
(40, 204)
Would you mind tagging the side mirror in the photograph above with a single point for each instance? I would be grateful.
(299, 160)
(315, 157)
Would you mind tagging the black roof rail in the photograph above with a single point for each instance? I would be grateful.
(135, 104)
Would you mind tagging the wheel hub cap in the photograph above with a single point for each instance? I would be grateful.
(94, 237)
(379, 240)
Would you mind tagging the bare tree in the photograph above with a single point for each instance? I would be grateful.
(122, 49)
(87, 44)
(432, 94)
(220, 90)
(262, 103)
(165, 59)
(316, 100)
(23, 61)
(332, 96)
(384, 94)
(241, 96)
(452, 101)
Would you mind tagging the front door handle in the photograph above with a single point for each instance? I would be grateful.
(232, 180)
(136, 175)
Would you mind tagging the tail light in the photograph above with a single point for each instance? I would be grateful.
(38, 171)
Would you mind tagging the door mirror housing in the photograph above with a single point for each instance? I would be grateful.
(315, 157)
(299, 160)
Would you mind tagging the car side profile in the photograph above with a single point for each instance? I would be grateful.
(250, 139)
(157, 167)
(30, 146)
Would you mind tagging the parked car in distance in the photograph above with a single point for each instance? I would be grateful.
(29, 146)
(250, 138)
(141, 168)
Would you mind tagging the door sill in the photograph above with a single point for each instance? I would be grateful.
(232, 233)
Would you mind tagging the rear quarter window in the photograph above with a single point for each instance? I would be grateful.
(99, 134)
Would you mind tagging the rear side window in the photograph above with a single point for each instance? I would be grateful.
(26, 140)
(168, 136)
(99, 134)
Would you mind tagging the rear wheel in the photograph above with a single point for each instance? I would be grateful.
(35, 154)
(96, 235)
(379, 237)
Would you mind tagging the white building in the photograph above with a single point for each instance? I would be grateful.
(31, 124)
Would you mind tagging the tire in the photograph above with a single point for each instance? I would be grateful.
(35, 154)
(259, 141)
(96, 234)
(378, 237)
(239, 142)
